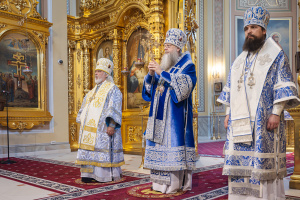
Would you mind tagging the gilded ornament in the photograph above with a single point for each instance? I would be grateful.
(86, 74)
(79, 52)
(2, 26)
(40, 36)
(70, 103)
(35, 14)
(86, 6)
(131, 22)
(20, 5)
(85, 44)
(72, 44)
(78, 105)
(112, 17)
(70, 77)
(112, 22)
(135, 133)
(99, 25)
(73, 132)
(79, 81)
(3, 6)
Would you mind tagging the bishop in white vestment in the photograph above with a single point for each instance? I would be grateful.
(259, 86)
(100, 152)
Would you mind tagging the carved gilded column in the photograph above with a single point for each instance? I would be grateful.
(295, 113)
(73, 133)
(117, 54)
(86, 45)
(71, 47)
(295, 178)
(190, 28)
(156, 23)
(290, 135)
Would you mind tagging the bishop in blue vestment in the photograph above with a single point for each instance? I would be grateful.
(170, 149)
(259, 86)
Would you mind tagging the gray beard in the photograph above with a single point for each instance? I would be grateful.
(98, 81)
(169, 60)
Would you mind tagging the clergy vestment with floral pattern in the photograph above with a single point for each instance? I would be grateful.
(170, 140)
(98, 150)
(254, 154)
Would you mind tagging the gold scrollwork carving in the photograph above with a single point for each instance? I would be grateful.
(21, 16)
(71, 76)
(3, 6)
(86, 74)
(78, 105)
(79, 81)
(2, 26)
(71, 103)
(86, 6)
(290, 135)
(20, 5)
(112, 16)
(294, 110)
(72, 44)
(73, 132)
(85, 44)
(79, 52)
(71, 27)
(131, 22)
(99, 25)
(40, 36)
(104, 20)
(135, 133)
(19, 124)
(117, 45)
(82, 28)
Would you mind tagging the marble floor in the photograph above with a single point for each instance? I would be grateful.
(9, 187)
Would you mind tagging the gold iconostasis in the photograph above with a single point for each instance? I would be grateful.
(23, 43)
(129, 33)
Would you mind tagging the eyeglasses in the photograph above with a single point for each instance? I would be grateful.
(168, 46)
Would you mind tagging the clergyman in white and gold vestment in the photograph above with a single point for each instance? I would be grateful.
(100, 152)
(259, 86)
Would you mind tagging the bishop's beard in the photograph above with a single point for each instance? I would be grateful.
(169, 60)
(253, 44)
(98, 80)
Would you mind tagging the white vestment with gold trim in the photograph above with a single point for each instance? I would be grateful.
(99, 154)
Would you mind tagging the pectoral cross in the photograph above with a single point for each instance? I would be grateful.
(240, 81)
(251, 80)
(19, 66)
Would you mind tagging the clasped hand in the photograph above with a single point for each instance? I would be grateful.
(154, 67)
(272, 124)
(110, 131)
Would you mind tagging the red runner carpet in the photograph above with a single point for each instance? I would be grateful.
(60, 177)
(211, 149)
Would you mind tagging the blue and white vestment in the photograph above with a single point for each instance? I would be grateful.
(259, 156)
(170, 141)
(104, 162)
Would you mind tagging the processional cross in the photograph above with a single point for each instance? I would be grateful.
(19, 64)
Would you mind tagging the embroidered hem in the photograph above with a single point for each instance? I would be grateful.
(262, 176)
(243, 139)
(86, 170)
(97, 164)
(104, 179)
(190, 166)
(246, 191)
(160, 181)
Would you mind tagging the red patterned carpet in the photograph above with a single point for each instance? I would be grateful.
(62, 178)
(211, 149)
